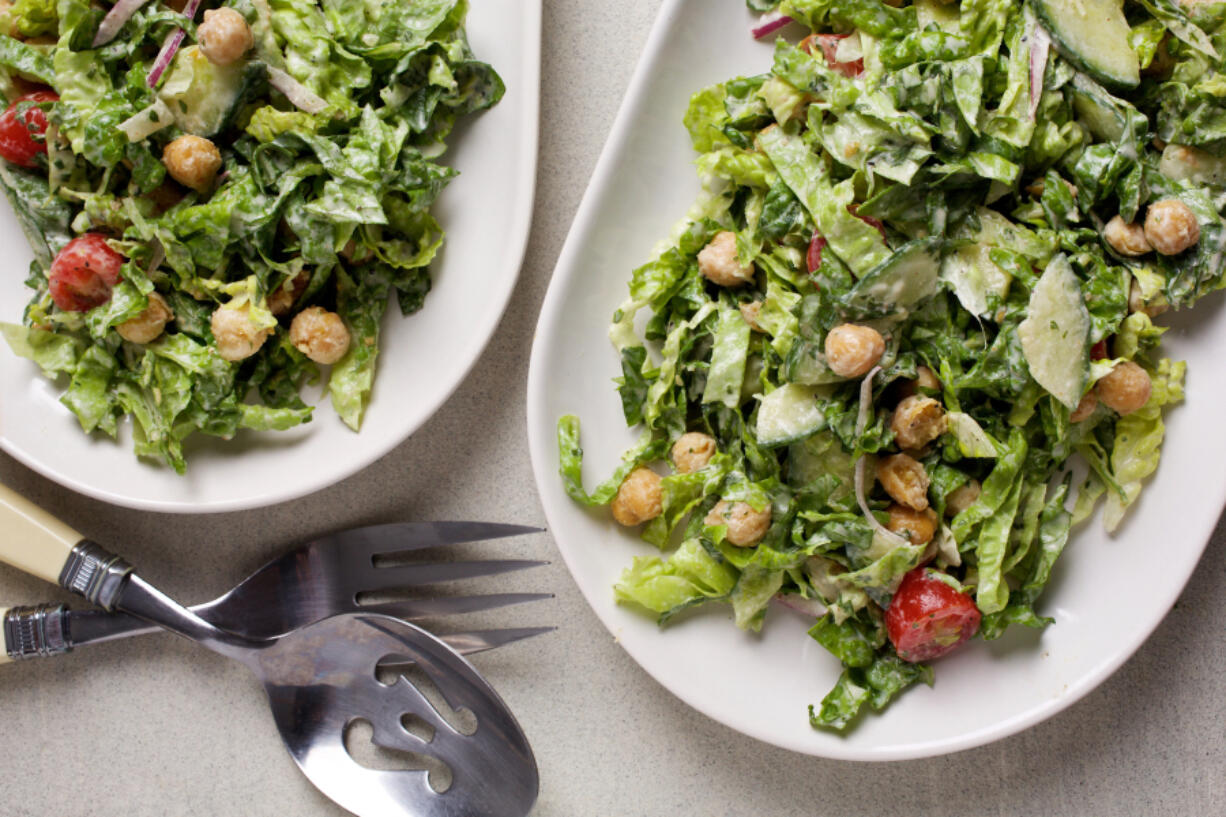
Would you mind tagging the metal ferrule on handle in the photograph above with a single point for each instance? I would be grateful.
(95, 573)
(36, 632)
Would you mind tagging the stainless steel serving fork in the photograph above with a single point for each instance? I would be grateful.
(327, 576)
(320, 675)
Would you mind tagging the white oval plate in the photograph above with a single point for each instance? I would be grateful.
(1108, 593)
(486, 213)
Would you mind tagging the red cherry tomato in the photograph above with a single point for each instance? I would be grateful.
(829, 46)
(816, 245)
(84, 273)
(18, 130)
(927, 618)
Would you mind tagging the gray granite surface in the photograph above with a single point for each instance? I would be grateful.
(159, 727)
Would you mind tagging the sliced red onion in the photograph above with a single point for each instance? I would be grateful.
(808, 607)
(1040, 47)
(769, 23)
(814, 257)
(115, 19)
(301, 96)
(171, 46)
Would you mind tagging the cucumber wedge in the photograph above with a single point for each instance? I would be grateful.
(1093, 35)
(1056, 333)
(789, 413)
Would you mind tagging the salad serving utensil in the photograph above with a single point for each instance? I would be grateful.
(327, 576)
(320, 679)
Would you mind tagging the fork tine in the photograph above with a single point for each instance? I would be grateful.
(399, 537)
(391, 577)
(415, 609)
(477, 641)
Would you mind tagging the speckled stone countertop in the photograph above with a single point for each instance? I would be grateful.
(156, 726)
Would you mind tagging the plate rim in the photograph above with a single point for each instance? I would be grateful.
(520, 225)
(543, 451)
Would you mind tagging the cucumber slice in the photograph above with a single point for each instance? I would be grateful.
(900, 282)
(1093, 35)
(1056, 332)
(789, 413)
(205, 97)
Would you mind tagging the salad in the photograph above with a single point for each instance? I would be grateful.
(222, 198)
(917, 294)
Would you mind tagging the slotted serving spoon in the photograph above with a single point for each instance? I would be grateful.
(320, 679)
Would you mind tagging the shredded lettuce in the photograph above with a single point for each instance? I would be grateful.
(952, 198)
(329, 210)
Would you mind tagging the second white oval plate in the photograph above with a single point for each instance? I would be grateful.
(1108, 593)
(486, 213)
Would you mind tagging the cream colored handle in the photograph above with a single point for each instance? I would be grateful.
(32, 539)
(4, 647)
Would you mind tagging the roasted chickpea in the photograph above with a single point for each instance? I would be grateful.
(149, 324)
(1171, 226)
(319, 334)
(917, 421)
(746, 527)
(224, 36)
(905, 480)
(1126, 238)
(192, 162)
(925, 381)
(1085, 408)
(283, 297)
(751, 312)
(236, 336)
(852, 350)
(639, 498)
(718, 262)
(962, 497)
(1125, 388)
(692, 451)
(917, 526)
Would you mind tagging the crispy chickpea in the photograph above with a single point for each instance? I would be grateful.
(1085, 408)
(917, 421)
(692, 451)
(962, 497)
(1125, 238)
(746, 527)
(224, 36)
(319, 334)
(852, 350)
(1171, 226)
(1125, 388)
(917, 526)
(236, 336)
(283, 297)
(638, 499)
(905, 480)
(193, 162)
(751, 312)
(925, 381)
(718, 262)
(149, 324)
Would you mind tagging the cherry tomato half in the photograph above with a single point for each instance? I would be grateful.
(84, 273)
(828, 44)
(18, 130)
(927, 618)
